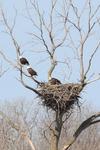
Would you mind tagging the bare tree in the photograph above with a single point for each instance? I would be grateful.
(17, 121)
(60, 21)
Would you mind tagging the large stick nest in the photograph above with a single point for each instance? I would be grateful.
(60, 97)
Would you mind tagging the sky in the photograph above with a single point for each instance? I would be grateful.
(10, 87)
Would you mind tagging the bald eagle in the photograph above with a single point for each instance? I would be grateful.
(54, 81)
(31, 71)
(23, 60)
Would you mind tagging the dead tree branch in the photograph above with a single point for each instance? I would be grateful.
(91, 58)
(48, 29)
(83, 40)
(18, 53)
(2, 71)
(6, 59)
(84, 125)
(27, 86)
(9, 31)
(21, 73)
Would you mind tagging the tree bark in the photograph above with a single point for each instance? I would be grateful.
(55, 136)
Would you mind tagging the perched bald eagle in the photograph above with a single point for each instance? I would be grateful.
(31, 71)
(23, 60)
(54, 81)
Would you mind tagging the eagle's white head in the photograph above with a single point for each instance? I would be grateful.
(29, 66)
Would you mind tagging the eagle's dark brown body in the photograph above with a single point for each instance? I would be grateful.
(54, 81)
(24, 61)
(31, 71)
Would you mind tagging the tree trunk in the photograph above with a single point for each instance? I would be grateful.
(55, 136)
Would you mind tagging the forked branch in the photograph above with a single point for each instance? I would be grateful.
(25, 85)
(9, 31)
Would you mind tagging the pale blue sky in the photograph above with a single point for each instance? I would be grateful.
(9, 87)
